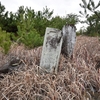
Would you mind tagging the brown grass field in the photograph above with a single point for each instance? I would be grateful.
(77, 78)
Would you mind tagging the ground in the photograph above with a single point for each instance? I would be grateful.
(77, 79)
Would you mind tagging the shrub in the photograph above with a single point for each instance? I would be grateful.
(27, 34)
(31, 39)
(5, 41)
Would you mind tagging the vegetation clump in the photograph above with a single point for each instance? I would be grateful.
(5, 41)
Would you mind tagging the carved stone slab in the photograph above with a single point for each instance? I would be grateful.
(51, 50)
(69, 40)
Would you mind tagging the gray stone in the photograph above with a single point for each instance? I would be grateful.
(4, 68)
(69, 39)
(7, 67)
(51, 50)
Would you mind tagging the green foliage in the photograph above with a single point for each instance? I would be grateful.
(58, 22)
(28, 27)
(31, 40)
(2, 9)
(82, 31)
(27, 34)
(72, 19)
(42, 20)
(94, 25)
(5, 41)
(93, 20)
(89, 6)
(9, 23)
(7, 20)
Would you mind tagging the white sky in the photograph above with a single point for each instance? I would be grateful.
(60, 7)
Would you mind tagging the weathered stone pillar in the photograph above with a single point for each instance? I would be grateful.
(69, 39)
(51, 50)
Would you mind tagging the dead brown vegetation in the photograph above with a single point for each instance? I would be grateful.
(77, 78)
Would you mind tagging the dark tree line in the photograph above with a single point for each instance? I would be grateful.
(28, 26)
(42, 19)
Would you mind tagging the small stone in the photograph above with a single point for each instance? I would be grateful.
(4, 68)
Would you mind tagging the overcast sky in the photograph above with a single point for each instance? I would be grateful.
(60, 7)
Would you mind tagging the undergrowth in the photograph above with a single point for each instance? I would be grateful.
(77, 79)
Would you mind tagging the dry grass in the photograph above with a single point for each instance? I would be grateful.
(77, 79)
